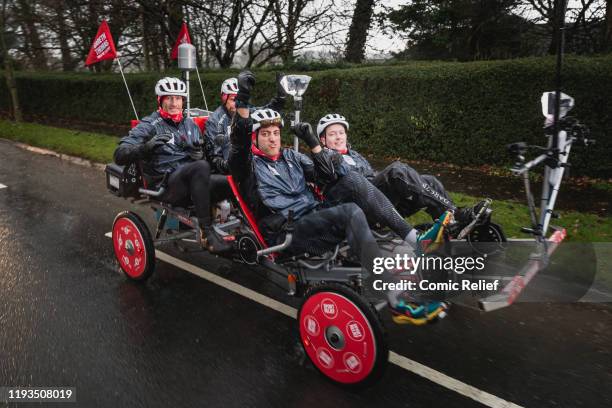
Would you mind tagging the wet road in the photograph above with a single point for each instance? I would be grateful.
(69, 318)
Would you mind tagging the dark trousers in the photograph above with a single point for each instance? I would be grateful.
(410, 191)
(355, 188)
(321, 230)
(193, 183)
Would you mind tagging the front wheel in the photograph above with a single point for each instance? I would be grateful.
(133, 246)
(343, 335)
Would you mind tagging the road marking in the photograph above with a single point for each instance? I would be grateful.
(407, 364)
(2, 186)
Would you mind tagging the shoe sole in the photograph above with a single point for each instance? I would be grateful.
(420, 321)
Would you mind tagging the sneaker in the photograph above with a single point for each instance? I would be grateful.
(418, 314)
(214, 243)
(431, 239)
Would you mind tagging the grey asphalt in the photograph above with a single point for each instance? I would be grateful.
(69, 318)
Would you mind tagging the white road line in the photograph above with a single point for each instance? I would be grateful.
(2, 186)
(407, 364)
(228, 284)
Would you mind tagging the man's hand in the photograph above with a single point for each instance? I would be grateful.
(195, 153)
(156, 142)
(304, 131)
(246, 82)
(221, 139)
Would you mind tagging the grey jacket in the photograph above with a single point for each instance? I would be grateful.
(186, 138)
(356, 162)
(272, 188)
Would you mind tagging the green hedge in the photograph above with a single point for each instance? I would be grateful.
(463, 113)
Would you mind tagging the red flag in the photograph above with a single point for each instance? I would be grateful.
(103, 47)
(183, 37)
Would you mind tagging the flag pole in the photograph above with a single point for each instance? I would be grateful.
(126, 87)
(202, 88)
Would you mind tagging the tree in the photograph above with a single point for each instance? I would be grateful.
(297, 25)
(584, 20)
(32, 46)
(607, 41)
(223, 27)
(8, 67)
(459, 29)
(358, 31)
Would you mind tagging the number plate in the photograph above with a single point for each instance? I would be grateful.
(113, 181)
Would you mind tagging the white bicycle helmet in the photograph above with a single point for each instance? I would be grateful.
(229, 86)
(266, 117)
(171, 86)
(330, 119)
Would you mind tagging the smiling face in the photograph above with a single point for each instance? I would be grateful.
(334, 137)
(173, 104)
(269, 140)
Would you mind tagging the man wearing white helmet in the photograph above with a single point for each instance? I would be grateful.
(217, 142)
(170, 148)
(274, 181)
(407, 190)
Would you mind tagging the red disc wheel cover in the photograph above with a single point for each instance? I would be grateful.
(129, 247)
(355, 360)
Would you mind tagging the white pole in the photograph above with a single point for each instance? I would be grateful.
(126, 87)
(188, 94)
(202, 88)
(296, 141)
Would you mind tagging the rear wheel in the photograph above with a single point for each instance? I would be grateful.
(133, 246)
(487, 239)
(343, 335)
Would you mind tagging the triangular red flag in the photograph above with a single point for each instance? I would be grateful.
(102, 47)
(183, 37)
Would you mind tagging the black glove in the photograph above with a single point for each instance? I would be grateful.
(280, 91)
(221, 165)
(246, 82)
(221, 139)
(304, 131)
(336, 159)
(155, 142)
(195, 153)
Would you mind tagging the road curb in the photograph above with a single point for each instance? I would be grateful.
(66, 157)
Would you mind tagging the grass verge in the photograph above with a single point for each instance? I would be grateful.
(512, 215)
(92, 146)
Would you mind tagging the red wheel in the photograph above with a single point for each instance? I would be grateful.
(343, 335)
(133, 245)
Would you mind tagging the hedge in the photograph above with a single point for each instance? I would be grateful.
(462, 113)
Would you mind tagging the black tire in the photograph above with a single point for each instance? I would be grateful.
(132, 250)
(487, 239)
(374, 325)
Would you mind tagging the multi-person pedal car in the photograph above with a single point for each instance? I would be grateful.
(340, 329)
